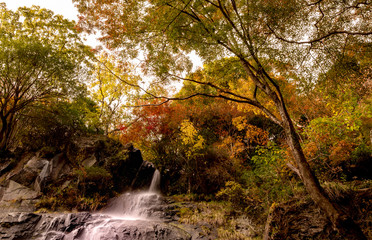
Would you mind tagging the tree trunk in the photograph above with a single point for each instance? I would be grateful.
(3, 138)
(341, 222)
(6, 132)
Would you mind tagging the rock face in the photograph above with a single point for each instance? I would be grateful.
(303, 219)
(289, 224)
(135, 215)
(18, 225)
(34, 174)
(113, 229)
(146, 214)
(84, 226)
(16, 191)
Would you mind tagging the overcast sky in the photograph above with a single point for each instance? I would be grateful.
(63, 7)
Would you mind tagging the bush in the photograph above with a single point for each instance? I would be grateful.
(87, 189)
(94, 180)
(234, 193)
(241, 199)
(54, 124)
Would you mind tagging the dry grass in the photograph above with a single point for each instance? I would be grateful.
(220, 216)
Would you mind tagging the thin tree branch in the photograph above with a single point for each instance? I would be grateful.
(179, 13)
(319, 38)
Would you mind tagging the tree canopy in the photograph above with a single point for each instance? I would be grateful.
(41, 57)
(270, 39)
(285, 86)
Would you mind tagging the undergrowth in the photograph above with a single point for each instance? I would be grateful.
(218, 215)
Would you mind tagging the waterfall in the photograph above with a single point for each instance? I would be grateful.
(155, 182)
(124, 215)
(136, 205)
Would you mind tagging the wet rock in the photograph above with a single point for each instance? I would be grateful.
(20, 226)
(130, 230)
(64, 223)
(143, 176)
(81, 226)
(40, 226)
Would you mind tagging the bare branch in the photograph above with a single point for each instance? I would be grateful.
(213, 86)
(321, 37)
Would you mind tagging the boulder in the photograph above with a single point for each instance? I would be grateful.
(125, 167)
(16, 191)
(16, 197)
(296, 220)
(27, 174)
(85, 147)
(59, 167)
(90, 161)
(135, 159)
(35, 164)
(43, 177)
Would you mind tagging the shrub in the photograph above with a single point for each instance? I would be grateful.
(94, 180)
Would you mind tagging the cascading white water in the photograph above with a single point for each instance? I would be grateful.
(155, 182)
(137, 216)
(136, 205)
(131, 206)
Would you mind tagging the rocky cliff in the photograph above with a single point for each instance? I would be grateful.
(88, 172)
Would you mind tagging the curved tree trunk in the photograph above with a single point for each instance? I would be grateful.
(341, 222)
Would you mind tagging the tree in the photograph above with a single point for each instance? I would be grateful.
(194, 143)
(40, 57)
(305, 34)
(338, 140)
(109, 90)
(55, 124)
